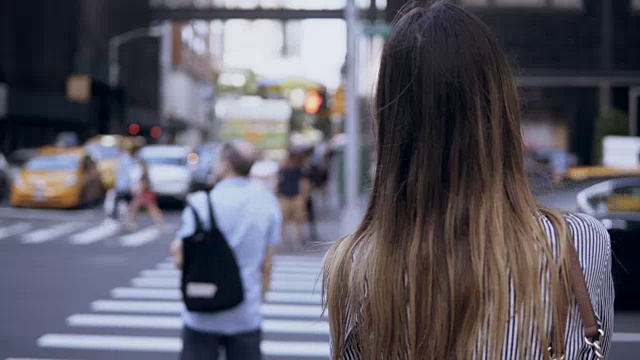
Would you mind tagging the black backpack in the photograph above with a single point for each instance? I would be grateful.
(211, 279)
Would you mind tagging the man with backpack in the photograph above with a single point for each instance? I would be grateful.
(224, 249)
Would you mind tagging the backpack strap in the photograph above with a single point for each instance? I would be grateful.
(199, 227)
(212, 217)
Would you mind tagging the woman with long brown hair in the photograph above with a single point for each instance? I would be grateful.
(454, 259)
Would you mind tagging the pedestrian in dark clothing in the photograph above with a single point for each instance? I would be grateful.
(293, 192)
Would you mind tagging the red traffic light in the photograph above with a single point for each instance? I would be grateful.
(156, 132)
(313, 102)
(134, 129)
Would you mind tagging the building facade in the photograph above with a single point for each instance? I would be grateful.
(574, 59)
(188, 98)
(48, 46)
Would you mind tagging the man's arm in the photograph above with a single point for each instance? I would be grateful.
(187, 228)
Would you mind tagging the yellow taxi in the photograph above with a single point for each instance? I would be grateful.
(104, 150)
(57, 178)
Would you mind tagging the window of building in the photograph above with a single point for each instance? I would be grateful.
(636, 5)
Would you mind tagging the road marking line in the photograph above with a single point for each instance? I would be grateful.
(289, 285)
(146, 294)
(308, 327)
(165, 266)
(276, 276)
(159, 282)
(43, 235)
(292, 311)
(172, 344)
(15, 229)
(175, 307)
(296, 263)
(109, 342)
(143, 307)
(295, 349)
(174, 294)
(296, 270)
(125, 321)
(293, 297)
(298, 257)
(157, 273)
(276, 284)
(140, 238)
(95, 234)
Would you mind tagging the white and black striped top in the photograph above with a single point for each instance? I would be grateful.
(594, 248)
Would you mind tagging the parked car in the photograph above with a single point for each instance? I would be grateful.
(5, 177)
(57, 178)
(616, 203)
(202, 163)
(168, 168)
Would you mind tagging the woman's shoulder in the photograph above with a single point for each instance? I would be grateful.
(590, 236)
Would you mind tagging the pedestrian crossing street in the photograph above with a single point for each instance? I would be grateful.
(76, 233)
(294, 325)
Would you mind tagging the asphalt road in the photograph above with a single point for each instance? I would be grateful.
(72, 287)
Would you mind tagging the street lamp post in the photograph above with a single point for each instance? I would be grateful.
(352, 215)
(121, 39)
(114, 55)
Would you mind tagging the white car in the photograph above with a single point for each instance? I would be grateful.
(169, 171)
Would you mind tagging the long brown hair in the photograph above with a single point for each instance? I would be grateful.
(452, 228)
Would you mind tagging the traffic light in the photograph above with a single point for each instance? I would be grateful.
(156, 132)
(134, 129)
(316, 101)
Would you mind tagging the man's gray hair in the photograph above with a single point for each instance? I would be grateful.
(240, 154)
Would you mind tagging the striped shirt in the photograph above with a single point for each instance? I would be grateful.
(594, 249)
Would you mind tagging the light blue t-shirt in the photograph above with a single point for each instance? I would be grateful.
(249, 217)
(123, 172)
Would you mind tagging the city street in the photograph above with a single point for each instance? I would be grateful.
(76, 288)
(73, 287)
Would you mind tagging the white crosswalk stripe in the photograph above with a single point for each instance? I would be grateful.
(171, 344)
(152, 305)
(35, 231)
(95, 234)
(175, 323)
(174, 294)
(15, 229)
(51, 233)
(140, 238)
(176, 307)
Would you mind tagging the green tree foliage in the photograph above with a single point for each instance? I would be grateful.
(611, 123)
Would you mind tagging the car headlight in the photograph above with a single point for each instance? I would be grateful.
(71, 181)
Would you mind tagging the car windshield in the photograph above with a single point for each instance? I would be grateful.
(165, 160)
(54, 162)
(104, 152)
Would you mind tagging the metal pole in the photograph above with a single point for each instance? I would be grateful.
(352, 151)
(114, 48)
(114, 64)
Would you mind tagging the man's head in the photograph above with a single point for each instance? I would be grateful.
(236, 159)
